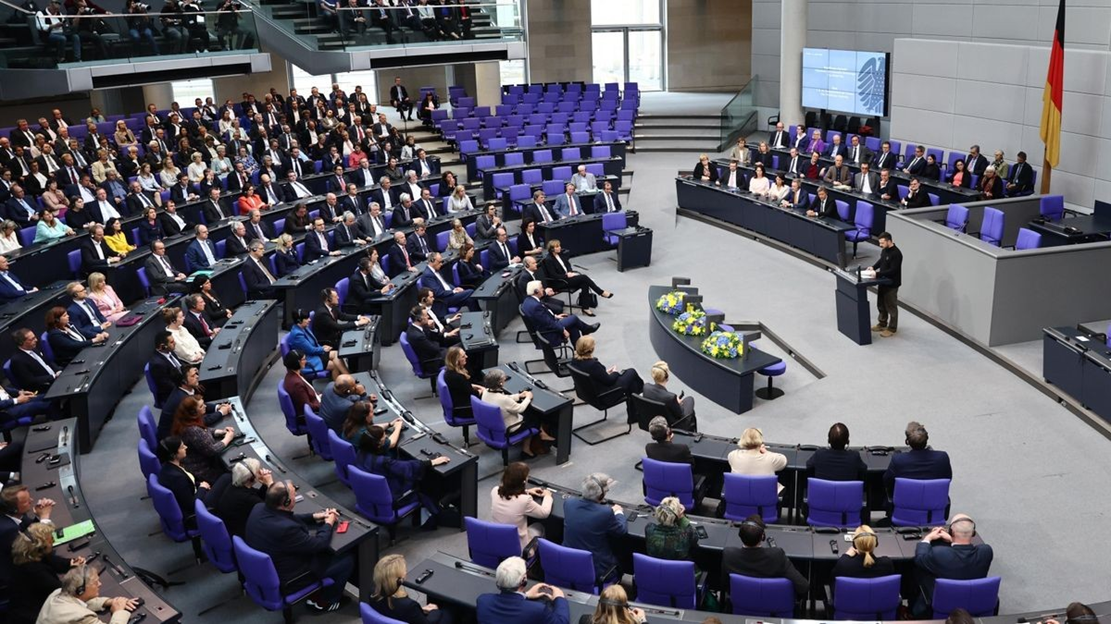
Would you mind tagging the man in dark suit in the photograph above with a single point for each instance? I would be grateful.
(976, 162)
(259, 279)
(538, 211)
(371, 223)
(858, 153)
(885, 159)
(11, 288)
(399, 258)
(83, 313)
(187, 383)
(888, 189)
(316, 242)
(212, 209)
(182, 192)
(427, 344)
(917, 162)
(238, 178)
(347, 233)
(29, 367)
(555, 329)
(823, 205)
(513, 604)
(399, 98)
(837, 463)
(161, 274)
(607, 200)
(449, 295)
(362, 287)
(404, 212)
(137, 201)
(22, 135)
(351, 201)
(662, 447)
(257, 229)
(920, 462)
(866, 182)
(590, 524)
(17, 512)
(836, 148)
(19, 208)
(172, 223)
(236, 244)
(95, 253)
(796, 199)
(418, 244)
(299, 545)
(916, 197)
(500, 254)
(427, 205)
(201, 253)
(529, 273)
(196, 323)
(779, 137)
(330, 321)
(1022, 176)
(795, 165)
(164, 366)
(759, 560)
(957, 558)
(384, 195)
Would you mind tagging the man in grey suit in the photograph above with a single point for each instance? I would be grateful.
(161, 274)
(866, 182)
(584, 180)
(680, 410)
(567, 204)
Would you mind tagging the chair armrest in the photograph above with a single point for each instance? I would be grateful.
(605, 575)
(400, 500)
(700, 580)
(283, 585)
(609, 394)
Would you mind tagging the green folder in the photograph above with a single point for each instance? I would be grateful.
(72, 532)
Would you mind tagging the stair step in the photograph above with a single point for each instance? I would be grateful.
(701, 138)
(695, 149)
(694, 132)
(654, 124)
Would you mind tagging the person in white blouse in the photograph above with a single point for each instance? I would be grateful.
(759, 183)
(221, 165)
(459, 200)
(9, 236)
(512, 405)
(778, 190)
(754, 459)
(186, 347)
(195, 170)
(168, 175)
(512, 502)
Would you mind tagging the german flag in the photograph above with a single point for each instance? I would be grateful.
(1052, 96)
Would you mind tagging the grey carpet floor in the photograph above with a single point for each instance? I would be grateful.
(1034, 477)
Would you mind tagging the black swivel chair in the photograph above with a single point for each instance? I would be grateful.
(556, 356)
(587, 391)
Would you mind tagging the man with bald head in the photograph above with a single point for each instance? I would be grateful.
(338, 397)
(948, 552)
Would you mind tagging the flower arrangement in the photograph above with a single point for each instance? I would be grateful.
(722, 344)
(693, 323)
(671, 303)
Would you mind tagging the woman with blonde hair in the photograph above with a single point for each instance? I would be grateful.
(605, 378)
(167, 176)
(513, 406)
(9, 236)
(859, 560)
(196, 168)
(458, 380)
(391, 600)
(105, 298)
(285, 257)
(458, 236)
(35, 570)
(672, 536)
(613, 608)
(459, 200)
(753, 457)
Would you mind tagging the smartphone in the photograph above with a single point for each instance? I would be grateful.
(700, 531)
(342, 527)
(424, 576)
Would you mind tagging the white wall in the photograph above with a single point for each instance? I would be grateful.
(950, 96)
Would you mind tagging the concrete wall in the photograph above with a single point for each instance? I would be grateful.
(258, 83)
(708, 44)
(559, 40)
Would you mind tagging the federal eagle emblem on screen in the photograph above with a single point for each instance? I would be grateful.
(870, 84)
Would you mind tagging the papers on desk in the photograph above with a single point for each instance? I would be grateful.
(868, 274)
(74, 531)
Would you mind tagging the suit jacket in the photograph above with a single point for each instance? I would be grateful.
(236, 246)
(918, 464)
(285, 263)
(295, 542)
(29, 374)
(417, 253)
(179, 194)
(90, 262)
(403, 217)
(563, 205)
(169, 227)
(779, 139)
(266, 234)
(532, 211)
(162, 371)
(196, 256)
(354, 205)
(498, 259)
(891, 189)
(134, 204)
(330, 325)
(544, 321)
(553, 269)
(833, 175)
(10, 292)
(885, 161)
(995, 187)
(344, 235)
(915, 165)
(359, 293)
(865, 155)
(79, 318)
(873, 182)
(193, 326)
(975, 165)
(699, 170)
(379, 195)
(1022, 176)
(234, 506)
(800, 142)
(428, 347)
(801, 201)
(428, 279)
(589, 526)
(64, 346)
(258, 287)
(833, 465)
(670, 400)
(962, 563)
(588, 177)
(314, 248)
(917, 200)
(212, 212)
(397, 260)
(829, 210)
(669, 452)
(184, 489)
(514, 608)
(766, 562)
(14, 211)
(600, 202)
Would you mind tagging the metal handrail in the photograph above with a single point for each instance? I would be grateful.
(730, 129)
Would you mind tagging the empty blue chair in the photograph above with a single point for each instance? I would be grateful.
(151, 386)
(526, 140)
(835, 503)
(666, 583)
(570, 153)
(613, 222)
(503, 180)
(318, 434)
(496, 143)
(514, 159)
(598, 169)
(344, 456)
(73, 258)
(562, 173)
(542, 156)
(532, 176)
(552, 188)
(956, 218)
(570, 567)
(215, 541)
(663, 479)
(452, 416)
(866, 599)
(148, 461)
(148, 428)
(745, 495)
(934, 199)
(920, 502)
(991, 229)
(260, 580)
(468, 146)
(484, 162)
(491, 428)
(1028, 239)
(600, 151)
(374, 500)
(370, 616)
(842, 209)
(1052, 207)
(490, 543)
(865, 217)
(980, 597)
(767, 597)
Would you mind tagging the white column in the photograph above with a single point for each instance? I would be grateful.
(488, 83)
(161, 95)
(792, 39)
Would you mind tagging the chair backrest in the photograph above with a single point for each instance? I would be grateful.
(957, 217)
(342, 287)
(768, 597)
(490, 426)
(73, 259)
(919, 502)
(745, 495)
(1052, 207)
(665, 583)
(490, 543)
(866, 599)
(503, 180)
(411, 355)
(865, 217)
(614, 221)
(169, 513)
(260, 577)
(441, 240)
(1028, 239)
(552, 188)
(991, 230)
(646, 409)
(47, 350)
(370, 616)
(343, 454)
(373, 497)
(663, 479)
(148, 428)
(285, 402)
(148, 462)
(568, 567)
(214, 539)
(151, 385)
(979, 596)
(842, 209)
(834, 503)
(318, 433)
(141, 273)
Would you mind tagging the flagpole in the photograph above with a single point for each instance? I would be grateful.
(1047, 171)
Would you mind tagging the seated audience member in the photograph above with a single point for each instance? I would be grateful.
(590, 524)
(471, 273)
(65, 340)
(164, 366)
(680, 409)
(338, 398)
(953, 556)
(104, 297)
(753, 458)
(605, 378)
(360, 417)
(500, 254)
(182, 483)
(84, 315)
(78, 600)
(246, 489)
(916, 196)
(705, 171)
(318, 357)
(557, 268)
(663, 447)
(186, 347)
(426, 342)
(458, 380)
(758, 560)
(991, 185)
(29, 366)
(960, 176)
(299, 545)
(299, 389)
(920, 462)
(285, 257)
(406, 477)
(1021, 179)
(513, 502)
(164, 278)
(513, 604)
(932, 171)
(836, 463)
(390, 599)
(331, 321)
(672, 536)
(36, 571)
(859, 562)
(214, 310)
(614, 608)
(206, 446)
(196, 321)
(259, 279)
(451, 295)
(555, 329)
(1075, 613)
(186, 384)
(529, 243)
(513, 412)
